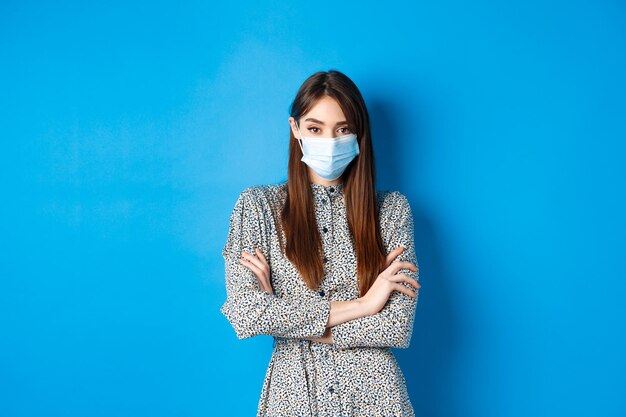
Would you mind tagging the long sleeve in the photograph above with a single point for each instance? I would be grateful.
(393, 325)
(250, 310)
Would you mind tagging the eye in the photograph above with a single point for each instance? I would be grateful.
(312, 129)
(346, 130)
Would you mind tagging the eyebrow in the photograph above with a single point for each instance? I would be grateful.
(310, 119)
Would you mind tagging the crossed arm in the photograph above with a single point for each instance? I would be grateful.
(252, 308)
(340, 311)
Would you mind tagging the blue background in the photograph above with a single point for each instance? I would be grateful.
(129, 130)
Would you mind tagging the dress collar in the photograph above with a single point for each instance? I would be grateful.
(331, 188)
(332, 191)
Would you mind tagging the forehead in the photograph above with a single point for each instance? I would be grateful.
(326, 109)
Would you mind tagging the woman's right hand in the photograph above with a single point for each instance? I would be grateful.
(387, 282)
(260, 267)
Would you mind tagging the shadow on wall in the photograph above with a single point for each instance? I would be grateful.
(436, 335)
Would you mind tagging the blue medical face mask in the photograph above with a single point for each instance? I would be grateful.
(328, 157)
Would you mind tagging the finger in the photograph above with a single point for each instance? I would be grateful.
(405, 290)
(262, 285)
(260, 261)
(266, 288)
(266, 284)
(404, 278)
(263, 260)
(393, 254)
(396, 266)
(260, 279)
(260, 254)
(411, 281)
(258, 272)
(254, 260)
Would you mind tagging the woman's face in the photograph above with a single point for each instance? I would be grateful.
(325, 119)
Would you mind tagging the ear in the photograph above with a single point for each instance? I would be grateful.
(294, 129)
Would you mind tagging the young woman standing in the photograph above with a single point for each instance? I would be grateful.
(326, 265)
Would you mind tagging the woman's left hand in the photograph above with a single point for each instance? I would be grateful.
(259, 267)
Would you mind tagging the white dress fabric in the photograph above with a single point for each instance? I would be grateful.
(355, 376)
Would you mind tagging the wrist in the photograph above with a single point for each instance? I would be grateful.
(363, 307)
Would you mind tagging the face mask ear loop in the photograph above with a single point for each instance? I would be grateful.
(299, 140)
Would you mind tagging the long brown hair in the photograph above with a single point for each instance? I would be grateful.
(303, 246)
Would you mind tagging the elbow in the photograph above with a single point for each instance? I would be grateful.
(244, 332)
(403, 334)
(242, 323)
(243, 329)
(403, 326)
(403, 341)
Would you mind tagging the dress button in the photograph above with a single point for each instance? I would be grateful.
(325, 229)
(331, 189)
(322, 293)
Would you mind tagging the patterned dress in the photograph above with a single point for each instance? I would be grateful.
(355, 376)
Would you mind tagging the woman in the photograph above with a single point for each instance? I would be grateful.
(326, 265)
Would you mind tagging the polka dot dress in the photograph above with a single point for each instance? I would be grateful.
(355, 376)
